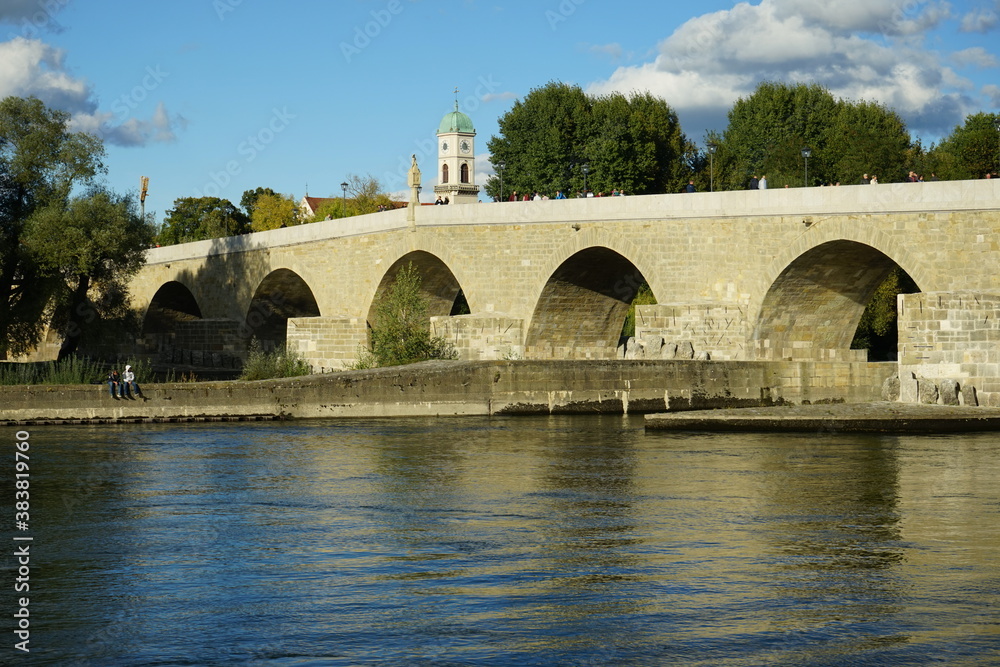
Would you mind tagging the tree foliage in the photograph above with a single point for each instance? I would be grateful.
(200, 218)
(877, 330)
(400, 333)
(41, 161)
(633, 143)
(272, 211)
(96, 242)
(768, 130)
(249, 199)
(365, 194)
(971, 150)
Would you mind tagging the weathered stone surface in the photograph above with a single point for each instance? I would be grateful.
(890, 389)
(651, 346)
(927, 391)
(685, 350)
(908, 388)
(668, 351)
(968, 395)
(631, 348)
(949, 391)
(703, 356)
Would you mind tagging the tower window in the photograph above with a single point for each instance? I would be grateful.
(465, 173)
(444, 173)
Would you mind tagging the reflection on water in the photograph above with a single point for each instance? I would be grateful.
(550, 541)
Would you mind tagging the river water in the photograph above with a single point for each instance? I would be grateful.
(506, 541)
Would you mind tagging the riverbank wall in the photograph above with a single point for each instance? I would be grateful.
(467, 388)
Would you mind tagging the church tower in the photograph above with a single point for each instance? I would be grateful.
(457, 159)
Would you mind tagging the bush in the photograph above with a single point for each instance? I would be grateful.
(401, 333)
(278, 363)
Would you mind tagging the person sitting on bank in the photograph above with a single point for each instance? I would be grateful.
(129, 385)
(113, 381)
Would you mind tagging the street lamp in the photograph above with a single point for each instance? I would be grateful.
(343, 208)
(500, 166)
(711, 166)
(806, 153)
(586, 170)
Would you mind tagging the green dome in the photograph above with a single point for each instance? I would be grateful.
(456, 121)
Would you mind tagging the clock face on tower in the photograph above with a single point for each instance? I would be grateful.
(465, 146)
(444, 146)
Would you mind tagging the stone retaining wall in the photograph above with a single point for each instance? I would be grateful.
(466, 388)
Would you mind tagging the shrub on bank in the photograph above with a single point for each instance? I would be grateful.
(278, 363)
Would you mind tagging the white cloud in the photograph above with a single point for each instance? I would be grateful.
(31, 68)
(992, 92)
(980, 20)
(976, 56)
(858, 49)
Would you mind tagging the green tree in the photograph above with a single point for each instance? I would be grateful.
(867, 138)
(971, 150)
(199, 218)
(634, 143)
(250, 197)
(767, 132)
(272, 211)
(400, 333)
(877, 330)
(41, 161)
(542, 141)
(95, 243)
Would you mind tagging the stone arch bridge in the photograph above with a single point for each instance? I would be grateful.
(751, 275)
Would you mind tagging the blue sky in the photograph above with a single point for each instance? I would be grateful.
(219, 96)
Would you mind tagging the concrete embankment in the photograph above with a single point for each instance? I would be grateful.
(467, 388)
(878, 417)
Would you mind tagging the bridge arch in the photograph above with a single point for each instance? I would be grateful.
(438, 284)
(812, 308)
(280, 295)
(172, 304)
(582, 306)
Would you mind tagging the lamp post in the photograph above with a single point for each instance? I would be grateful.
(500, 166)
(806, 153)
(711, 166)
(586, 170)
(343, 208)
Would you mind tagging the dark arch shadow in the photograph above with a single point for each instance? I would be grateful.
(812, 309)
(582, 307)
(281, 295)
(172, 304)
(438, 285)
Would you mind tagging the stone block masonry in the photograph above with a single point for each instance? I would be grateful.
(481, 338)
(718, 330)
(327, 343)
(951, 336)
